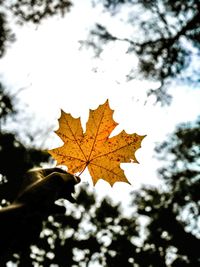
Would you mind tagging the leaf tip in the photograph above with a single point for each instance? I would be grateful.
(61, 112)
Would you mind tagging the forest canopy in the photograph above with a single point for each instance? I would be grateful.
(164, 36)
(162, 228)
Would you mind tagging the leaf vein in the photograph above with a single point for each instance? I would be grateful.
(75, 139)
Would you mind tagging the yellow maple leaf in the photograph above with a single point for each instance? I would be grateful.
(94, 149)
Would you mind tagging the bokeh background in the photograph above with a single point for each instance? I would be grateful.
(144, 57)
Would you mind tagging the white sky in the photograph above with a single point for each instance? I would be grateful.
(47, 62)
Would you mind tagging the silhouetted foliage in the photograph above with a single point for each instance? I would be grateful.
(165, 37)
(6, 105)
(174, 213)
(86, 233)
(23, 11)
(16, 159)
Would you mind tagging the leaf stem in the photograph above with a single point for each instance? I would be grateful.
(82, 170)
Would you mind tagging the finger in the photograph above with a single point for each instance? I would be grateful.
(70, 179)
(64, 174)
(77, 179)
(51, 170)
(69, 188)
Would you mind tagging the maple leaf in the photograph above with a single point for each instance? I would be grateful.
(94, 148)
